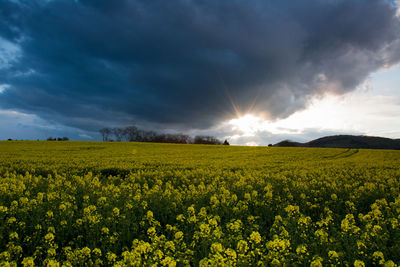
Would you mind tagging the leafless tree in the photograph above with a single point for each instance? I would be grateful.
(118, 133)
(150, 136)
(206, 140)
(130, 133)
(105, 133)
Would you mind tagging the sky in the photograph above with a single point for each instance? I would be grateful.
(253, 72)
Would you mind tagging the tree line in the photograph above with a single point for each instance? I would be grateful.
(58, 139)
(134, 134)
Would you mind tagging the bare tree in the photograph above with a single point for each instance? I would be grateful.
(206, 140)
(183, 138)
(105, 133)
(150, 136)
(118, 133)
(131, 133)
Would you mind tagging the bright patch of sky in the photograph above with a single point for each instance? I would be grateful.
(9, 53)
(23, 126)
(372, 109)
(3, 87)
(397, 4)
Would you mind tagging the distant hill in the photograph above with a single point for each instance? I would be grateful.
(288, 143)
(346, 141)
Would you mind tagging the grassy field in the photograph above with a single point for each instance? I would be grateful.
(95, 203)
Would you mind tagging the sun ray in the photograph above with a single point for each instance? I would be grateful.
(230, 98)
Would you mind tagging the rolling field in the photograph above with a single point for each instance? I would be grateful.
(135, 204)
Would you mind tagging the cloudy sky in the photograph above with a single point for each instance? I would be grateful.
(255, 72)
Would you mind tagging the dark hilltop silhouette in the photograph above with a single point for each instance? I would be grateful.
(346, 141)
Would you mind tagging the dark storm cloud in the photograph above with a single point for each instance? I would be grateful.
(188, 63)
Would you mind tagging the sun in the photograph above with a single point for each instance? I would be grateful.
(247, 124)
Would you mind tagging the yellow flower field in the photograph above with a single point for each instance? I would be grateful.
(135, 204)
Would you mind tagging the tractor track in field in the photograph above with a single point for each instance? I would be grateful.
(345, 154)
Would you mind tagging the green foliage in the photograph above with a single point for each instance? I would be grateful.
(135, 204)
